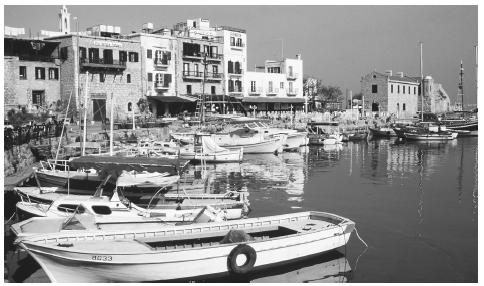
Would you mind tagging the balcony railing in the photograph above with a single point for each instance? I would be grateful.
(192, 74)
(212, 75)
(214, 57)
(292, 92)
(201, 55)
(102, 63)
(236, 72)
(161, 63)
(36, 58)
(256, 91)
(160, 85)
(292, 76)
(273, 91)
(235, 45)
(236, 90)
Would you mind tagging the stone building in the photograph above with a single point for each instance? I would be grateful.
(390, 95)
(105, 66)
(436, 99)
(31, 74)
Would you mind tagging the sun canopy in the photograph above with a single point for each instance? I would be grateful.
(209, 146)
(145, 179)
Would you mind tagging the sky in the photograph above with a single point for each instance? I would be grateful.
(339, 44)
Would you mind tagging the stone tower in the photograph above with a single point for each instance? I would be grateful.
(64, 21)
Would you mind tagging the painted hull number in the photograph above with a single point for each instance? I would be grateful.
(102, 258)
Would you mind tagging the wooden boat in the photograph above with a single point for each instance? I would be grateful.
(428, 136)
(382, 132)
(56, 173)
(186, 252)
(325, 139)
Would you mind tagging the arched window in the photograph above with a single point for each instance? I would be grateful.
(231, 67)
(130, 106)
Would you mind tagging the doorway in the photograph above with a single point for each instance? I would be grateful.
(99, 109)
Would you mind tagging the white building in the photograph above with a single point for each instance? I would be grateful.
(279, 87)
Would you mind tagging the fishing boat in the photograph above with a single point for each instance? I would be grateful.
(188, 251)
(54, 173)
(205, 149)
(294, 139)
(428, 131)
(250, 140)
(382, 131)
(325, 139)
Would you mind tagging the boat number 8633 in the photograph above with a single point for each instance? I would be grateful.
(102, 258)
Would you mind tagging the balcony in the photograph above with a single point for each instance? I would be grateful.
(160, 86)
(255, 92)
(213, 76)
(192, 75)
(237, 46)
(272, 92)
(159, 63)
(235, 90)
(36, 58)
(292, 92)
(192, 55)
(214, 57)
(239, 72)
(292, 76)
(97, 63)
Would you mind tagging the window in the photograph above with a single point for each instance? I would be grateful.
(166, 79)
(231, 67)
(150, 77)
(374, 88)
(403, 89)
(196, 69)
(103, 210)
(270, 86)
(231, 86)
(82, 53)
(239, 42)
(22, 72)
(213, 89)
(68, 208)
(149, 53)
(53, 73)
(282, 84)
(290, 71)
(214, 51)
(63, 53)
(38, 97)
(128, 78)
(102, 77)
(186, 68)
(232, 41)
(39, 73)
(398, 107)
(130, 106)
(189, 89)
(108, 56)
(391, 88)
(408, 89)
(252, 86)
(291, 87)
(414, 90)
(403, 107)
(237, 68)
(123, 56)
(398, 89)
(133, 57)
(93, 55)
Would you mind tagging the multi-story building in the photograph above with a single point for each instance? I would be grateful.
(104, 67)
(279, 87)
(31, 73)
(235, 59)
(158, 69)
(387, 94)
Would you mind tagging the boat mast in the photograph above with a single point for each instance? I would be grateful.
(461, 85)
(475, 47)
(111, 126)
(85, 115)
(421, 82)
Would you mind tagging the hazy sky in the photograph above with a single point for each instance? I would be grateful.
(339, 44)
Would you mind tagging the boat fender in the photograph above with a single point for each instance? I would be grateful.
(251, 257)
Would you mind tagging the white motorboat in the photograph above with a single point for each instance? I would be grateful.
(186, 252)
(207, 150)
(273, 145)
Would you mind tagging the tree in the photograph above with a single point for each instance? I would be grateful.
(330, 93)
(311, 89)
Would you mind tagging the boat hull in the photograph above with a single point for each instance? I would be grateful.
(385, 132)
(64, 266)
(78, 180)
(268, 146)
(295, 140)
(430, 137)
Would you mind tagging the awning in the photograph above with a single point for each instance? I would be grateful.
(273, 100)
(180, 98)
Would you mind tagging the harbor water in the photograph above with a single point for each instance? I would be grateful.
(414, 204)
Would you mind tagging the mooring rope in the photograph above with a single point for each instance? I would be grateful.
(359, 237)
(8, 221)
(363, 252)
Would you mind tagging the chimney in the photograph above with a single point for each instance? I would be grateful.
(400, 74)
(389, 72)
(298, 56)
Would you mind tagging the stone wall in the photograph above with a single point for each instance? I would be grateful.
(380, 97)
(17, 159)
